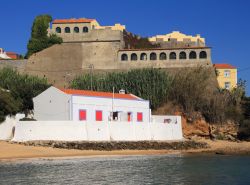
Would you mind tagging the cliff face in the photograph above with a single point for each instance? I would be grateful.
(201, 128)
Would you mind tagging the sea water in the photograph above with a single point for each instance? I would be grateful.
(159, 169)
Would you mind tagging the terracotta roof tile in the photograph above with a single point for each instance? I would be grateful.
(81, 20)
(224, 66)
(100, 94)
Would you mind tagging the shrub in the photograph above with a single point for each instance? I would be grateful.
(8, 105)
(22, 88)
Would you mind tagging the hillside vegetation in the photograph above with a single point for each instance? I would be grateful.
(189, 91)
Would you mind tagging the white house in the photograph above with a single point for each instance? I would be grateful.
(80, 115)
(82, 105)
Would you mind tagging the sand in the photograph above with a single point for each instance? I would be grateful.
(12, 151)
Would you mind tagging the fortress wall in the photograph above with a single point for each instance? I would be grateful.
(61, 63)
(106, 35)
(19, 65)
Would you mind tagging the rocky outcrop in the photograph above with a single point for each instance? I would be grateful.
(201, 128)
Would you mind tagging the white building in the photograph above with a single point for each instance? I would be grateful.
(80, 115)
(82, 105)
(3, 54)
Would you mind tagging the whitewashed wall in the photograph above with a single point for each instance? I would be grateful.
(91, 104)
(97, 131)
(6, 127)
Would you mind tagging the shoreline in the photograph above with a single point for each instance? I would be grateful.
(18, 152)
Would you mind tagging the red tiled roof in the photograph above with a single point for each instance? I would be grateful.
(11, 53)
(81, 20)
(224, 66)
(99, 94)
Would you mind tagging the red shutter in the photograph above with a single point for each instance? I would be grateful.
(98, 115)
(139, 116)
(82, 115)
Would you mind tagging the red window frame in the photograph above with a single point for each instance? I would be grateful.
(139, 116)
(98, 115)
(82, 115)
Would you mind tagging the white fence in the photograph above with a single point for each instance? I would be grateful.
(6, 127)
(97, 131)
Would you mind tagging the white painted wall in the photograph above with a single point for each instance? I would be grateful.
(97, 131)
(52, 104)
(6, 127)
(91, 104)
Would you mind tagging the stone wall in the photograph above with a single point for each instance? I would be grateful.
(19, 65)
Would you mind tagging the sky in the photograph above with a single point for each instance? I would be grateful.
(225, 24)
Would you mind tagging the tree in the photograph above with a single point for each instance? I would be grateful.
(22, 87)
(39, 35)
(8, 105)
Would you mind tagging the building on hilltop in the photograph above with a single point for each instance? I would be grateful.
(77, 30)
(226, 76)
(8, 55)
(177, 39)
(111, 48)
(3, 54)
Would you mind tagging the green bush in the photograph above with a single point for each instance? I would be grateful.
(8, 105)
(22, 87)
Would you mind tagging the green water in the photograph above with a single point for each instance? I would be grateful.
(167, 169)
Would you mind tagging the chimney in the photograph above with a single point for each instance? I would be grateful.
(122, 91)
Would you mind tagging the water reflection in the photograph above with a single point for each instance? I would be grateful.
(169, 169)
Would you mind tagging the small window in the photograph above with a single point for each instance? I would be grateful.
(227, 73)
(139, 116)
(85, 29)
(153, 56)
(133, 56)
(76, 29)
(67, 30)
(58, 30)
(163, 56)
(82, 115)
(192, 55)
(172, 56)
(203, 54)
(227, 85)
(124, 57)
(182, 55)
(98, 115)
(143, 56)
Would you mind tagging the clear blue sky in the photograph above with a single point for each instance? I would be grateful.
(224, 23)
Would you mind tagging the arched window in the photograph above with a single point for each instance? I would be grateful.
(182, 55)
(203, 54)
(133, 56)
(67, 30)
(192, 55)
(58, 30)
(85, 29)
(172, 56)
(143, 56)
(163, 56)
(153, 56)
(124, 57)
(76, 29)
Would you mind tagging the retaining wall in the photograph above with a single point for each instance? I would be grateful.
(97, 131)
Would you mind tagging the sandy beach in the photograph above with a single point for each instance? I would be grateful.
(12, 151)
